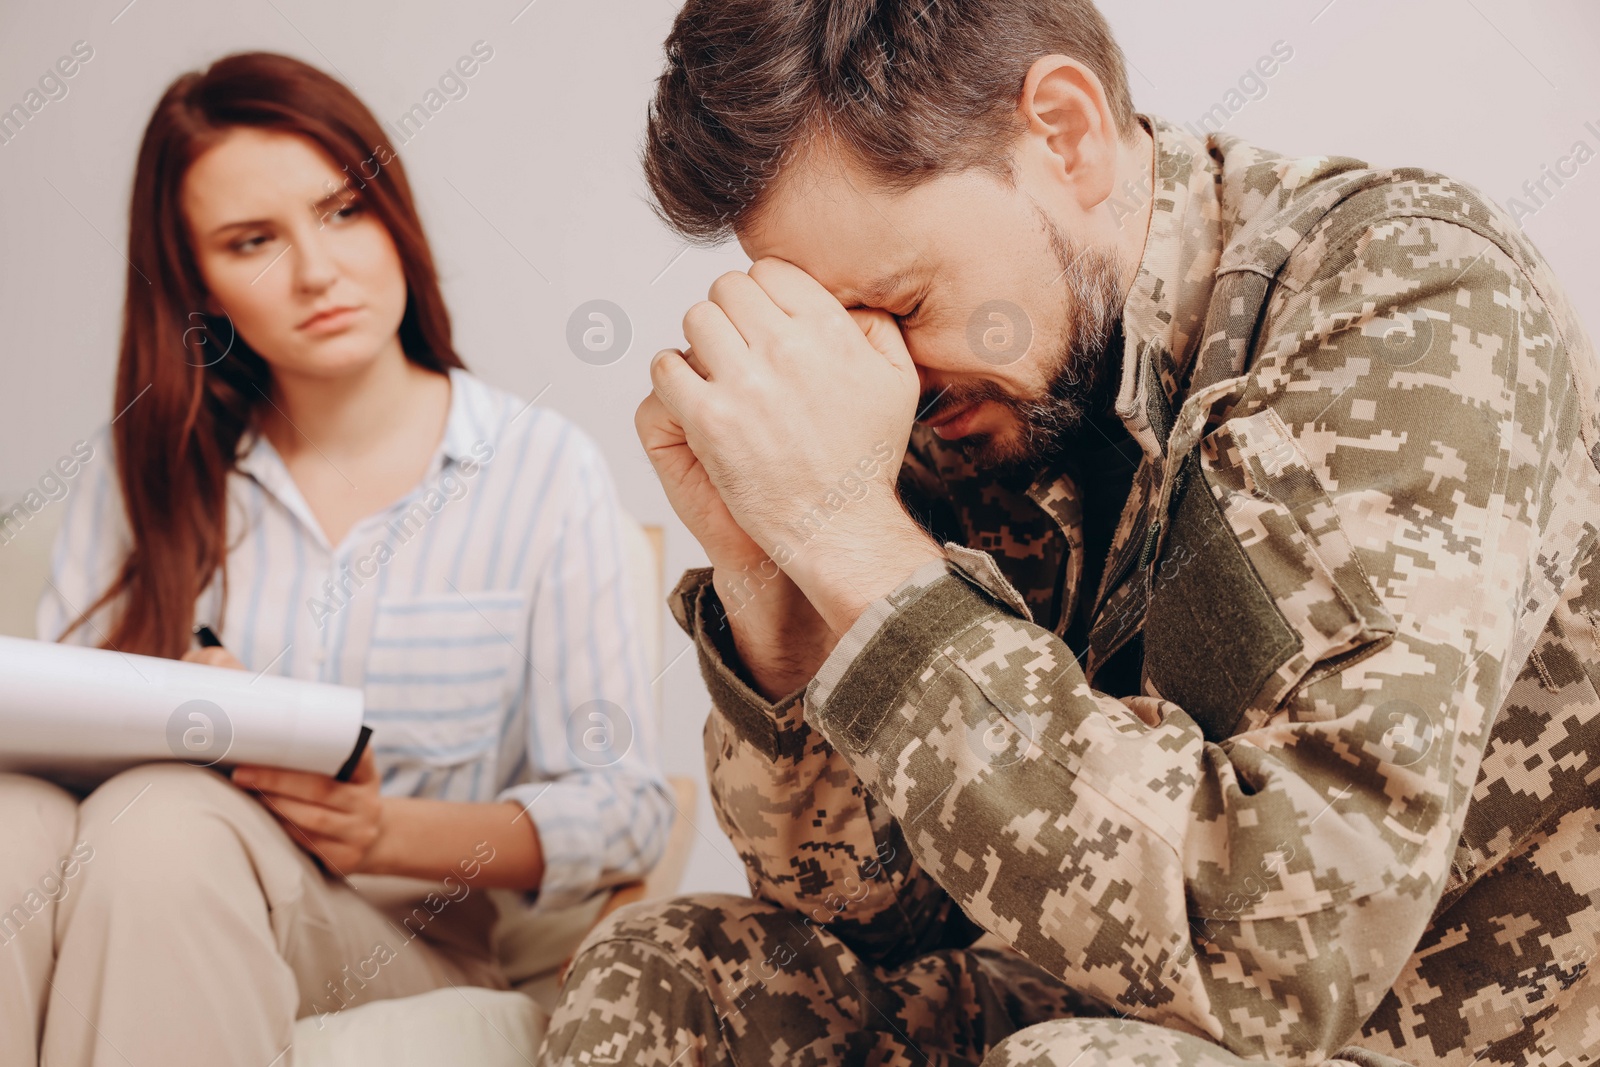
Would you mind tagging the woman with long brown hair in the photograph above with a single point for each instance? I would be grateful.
(300, 461)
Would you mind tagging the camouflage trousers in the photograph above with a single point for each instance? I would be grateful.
(724, 980)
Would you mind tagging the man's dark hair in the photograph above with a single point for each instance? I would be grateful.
(908, 89)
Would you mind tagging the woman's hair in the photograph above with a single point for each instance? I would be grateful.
(184, 405)
(908, 89)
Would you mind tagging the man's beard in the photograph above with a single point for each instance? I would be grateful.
(1082, 371)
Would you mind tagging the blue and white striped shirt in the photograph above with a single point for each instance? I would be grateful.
(488, 616)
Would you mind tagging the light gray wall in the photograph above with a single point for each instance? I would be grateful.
(530, 189)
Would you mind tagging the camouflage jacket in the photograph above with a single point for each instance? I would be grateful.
(1329, 770)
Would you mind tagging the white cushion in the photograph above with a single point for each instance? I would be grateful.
(466, 1024)
(444, 1028)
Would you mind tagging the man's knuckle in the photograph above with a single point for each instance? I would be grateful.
(701, 316)
(725, 284)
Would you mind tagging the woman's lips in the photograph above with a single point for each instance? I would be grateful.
(331, 321)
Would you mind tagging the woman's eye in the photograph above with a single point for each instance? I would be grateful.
(348, 210)
(912, 314)
(248, 244)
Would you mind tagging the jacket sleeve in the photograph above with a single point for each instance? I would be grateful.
(1397, 506)
(811, 838)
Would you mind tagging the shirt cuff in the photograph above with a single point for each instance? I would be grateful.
(896, 638)
(777, 729)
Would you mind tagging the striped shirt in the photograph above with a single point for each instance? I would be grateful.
(487, 616)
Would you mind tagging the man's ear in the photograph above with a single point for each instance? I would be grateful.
(1070, 132)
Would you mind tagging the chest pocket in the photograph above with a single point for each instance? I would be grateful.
(1258, 591)
(441, 673)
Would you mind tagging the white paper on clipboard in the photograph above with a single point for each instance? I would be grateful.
(79, 715)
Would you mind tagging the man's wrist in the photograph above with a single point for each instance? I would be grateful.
(774, 640)
(761, 595)
(861, 564)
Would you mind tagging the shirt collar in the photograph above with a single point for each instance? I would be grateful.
(466, 424)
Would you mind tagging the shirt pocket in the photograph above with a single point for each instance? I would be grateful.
(1258, 592)
(441, 673)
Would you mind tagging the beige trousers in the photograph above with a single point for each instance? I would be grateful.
(167, 919)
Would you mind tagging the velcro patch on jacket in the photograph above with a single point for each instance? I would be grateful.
(1213, 634)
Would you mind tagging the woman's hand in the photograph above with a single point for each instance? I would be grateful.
(213, 657)
(336, 822)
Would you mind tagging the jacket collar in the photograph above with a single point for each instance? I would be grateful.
(1165, 309)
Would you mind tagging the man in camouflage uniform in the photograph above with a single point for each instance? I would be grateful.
(1309, 774)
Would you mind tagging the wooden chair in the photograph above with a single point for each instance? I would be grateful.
(663, 879)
